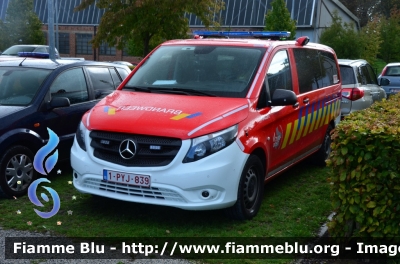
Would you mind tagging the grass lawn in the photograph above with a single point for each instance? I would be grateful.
(295, 204)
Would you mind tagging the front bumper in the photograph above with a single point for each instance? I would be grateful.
(209, 183)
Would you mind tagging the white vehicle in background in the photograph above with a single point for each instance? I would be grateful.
(360, 86)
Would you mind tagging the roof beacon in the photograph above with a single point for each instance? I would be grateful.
(43, 55)
(302, 41)
(275, 35)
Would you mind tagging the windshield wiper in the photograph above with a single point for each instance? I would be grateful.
(195, 92)
(168, 90)
(139, 89)
(183, 91)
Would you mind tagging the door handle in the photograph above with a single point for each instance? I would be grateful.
(296, 105)
(306, 100)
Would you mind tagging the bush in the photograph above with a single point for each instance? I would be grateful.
(365, 160)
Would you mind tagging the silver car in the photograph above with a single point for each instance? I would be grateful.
(392, 73)
(360, 86)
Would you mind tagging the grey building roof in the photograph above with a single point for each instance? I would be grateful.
(237, 13)
(251, 13)
(66, 14)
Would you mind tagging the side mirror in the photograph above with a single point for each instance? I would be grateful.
(384, 82)
(283, 97)
(56, 102)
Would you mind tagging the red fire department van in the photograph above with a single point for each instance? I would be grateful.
(203, 123)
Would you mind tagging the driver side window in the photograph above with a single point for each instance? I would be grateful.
(71, 84)
(279, 75)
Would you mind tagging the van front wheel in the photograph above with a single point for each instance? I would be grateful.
(250, 191)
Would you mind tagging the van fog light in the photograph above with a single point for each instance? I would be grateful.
(205, 194)
(208, 194)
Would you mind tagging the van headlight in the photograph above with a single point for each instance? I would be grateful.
(80, 136)
(206, 145)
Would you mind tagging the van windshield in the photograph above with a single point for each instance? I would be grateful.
(201, 70)
(19, 85)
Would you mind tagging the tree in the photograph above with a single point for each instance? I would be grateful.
(141, 21)
(278, 19)
(362, 9)
(390, 32)
(384, 7)
(366, 10)
(21, 25)
(342, 37)
(370, 40)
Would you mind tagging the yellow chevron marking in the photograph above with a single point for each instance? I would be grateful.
(296, 123)
(333, 111)
(307, 125)
(320, 113)
(338, 108)
(301, 127)
(314, 121)
(328, 114)
(287, 134)
(325, 109)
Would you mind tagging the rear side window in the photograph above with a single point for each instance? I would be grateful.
(123, 73)
(316, 69)
(115, 77)
(71, 84)
(347, 74)
(101, 78)
(372, 75)
(367, 75)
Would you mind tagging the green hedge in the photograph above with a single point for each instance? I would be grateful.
(365, 160)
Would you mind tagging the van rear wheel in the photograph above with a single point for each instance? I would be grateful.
(324, 152)
(250, 191)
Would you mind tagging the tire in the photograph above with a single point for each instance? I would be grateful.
(324, 152)
(250, 191)
(16, 171)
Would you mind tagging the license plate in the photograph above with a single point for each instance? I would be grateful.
(126, 178)
(394, 90)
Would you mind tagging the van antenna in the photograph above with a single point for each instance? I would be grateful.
(22, 61)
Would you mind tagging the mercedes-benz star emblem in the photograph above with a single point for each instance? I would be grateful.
(127, 149)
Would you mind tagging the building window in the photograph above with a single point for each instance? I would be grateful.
(125, 52)
(63, 43)
(104, 49)
(82, 44)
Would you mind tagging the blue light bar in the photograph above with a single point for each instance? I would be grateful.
(244, 34)
(42, 55)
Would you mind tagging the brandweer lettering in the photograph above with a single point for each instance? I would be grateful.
(150, 109)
